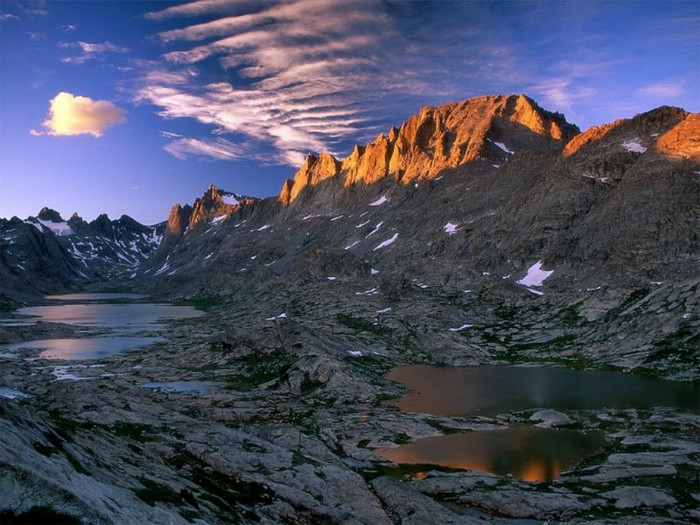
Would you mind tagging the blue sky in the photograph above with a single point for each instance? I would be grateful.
(129, 107)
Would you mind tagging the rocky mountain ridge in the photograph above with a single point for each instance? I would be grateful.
(214, 205)
(489, 128)
(534, 252)
(46, 253)
(537, 182)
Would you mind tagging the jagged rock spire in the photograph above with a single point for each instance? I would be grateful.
(488, 128)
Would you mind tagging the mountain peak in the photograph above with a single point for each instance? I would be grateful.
(48, 214)
(670, 130)
(215, 203)
(314, 170)
(488, 128)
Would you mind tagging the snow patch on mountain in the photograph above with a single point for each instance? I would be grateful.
(376, 229)
(535, 275)
(634, 146)
(379, 201)
(450, 228)
(58, 228)
(387, 242)
(502, 146)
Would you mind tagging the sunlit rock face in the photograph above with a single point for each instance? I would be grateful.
(215, 203)
(669, 130)
(683, 140)
(178, 219)
(314, 170)
(489, 128)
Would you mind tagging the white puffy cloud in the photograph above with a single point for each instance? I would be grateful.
(76, 115)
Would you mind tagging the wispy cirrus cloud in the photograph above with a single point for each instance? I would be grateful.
(218, 149)
(90, 51)
(299, 76)
(76, 115)
(196, 8)
(662, 90)
(562, 92)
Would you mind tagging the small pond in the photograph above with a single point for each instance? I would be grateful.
(528, 453)
(12, 393)
(127, 320)
(525, 452)
(199, 387)
(125, 317)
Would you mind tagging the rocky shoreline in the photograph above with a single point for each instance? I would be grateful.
(478, 233)
(288, 435)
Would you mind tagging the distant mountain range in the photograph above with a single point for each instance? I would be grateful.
(485, 232)
(467, 193)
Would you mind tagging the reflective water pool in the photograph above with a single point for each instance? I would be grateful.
(489, 390)
(525, 452)
(129, 322)
(128, 317)
(200, 387)
(85, 348)
(528, 453)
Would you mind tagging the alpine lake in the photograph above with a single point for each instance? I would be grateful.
(534, 450)
(538, 448)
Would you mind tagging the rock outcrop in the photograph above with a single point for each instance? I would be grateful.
(489, 128)
(313, 171)
(669, 130)
(214, 204)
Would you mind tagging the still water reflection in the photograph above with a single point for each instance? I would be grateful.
(528, 453)
(96, 297)
(490, 390)
(85, 348)
(200, 387)
(127, 325)
(125, 317)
